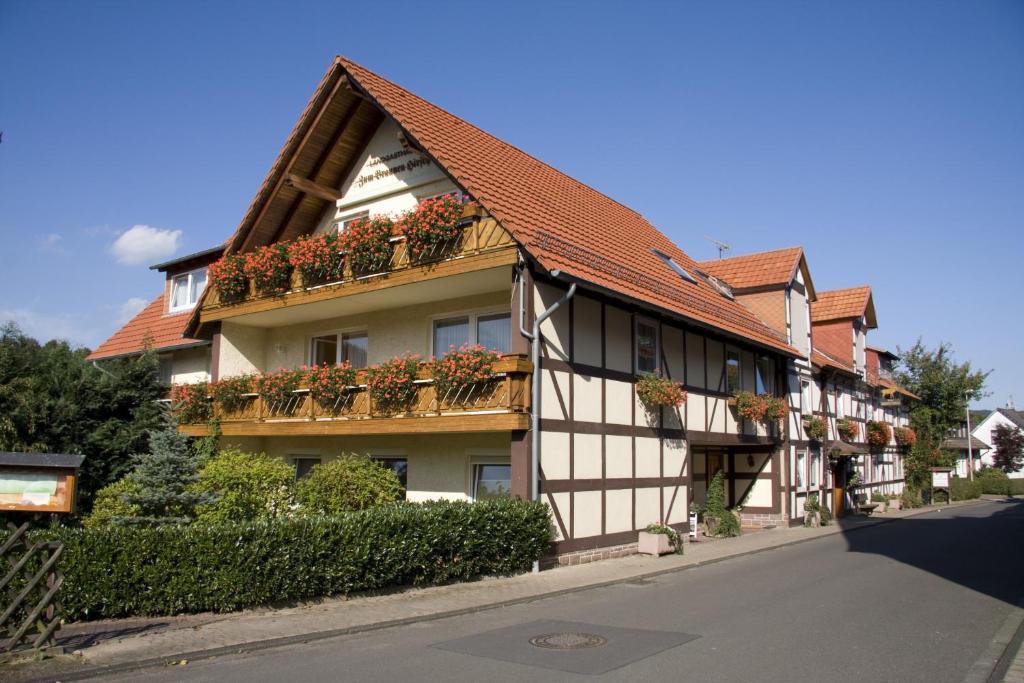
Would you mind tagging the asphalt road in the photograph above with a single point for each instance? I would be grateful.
(914, 600)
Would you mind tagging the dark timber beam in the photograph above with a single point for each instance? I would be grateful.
(315, 189)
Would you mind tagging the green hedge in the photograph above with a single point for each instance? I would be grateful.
(127, 571)
(964, 489)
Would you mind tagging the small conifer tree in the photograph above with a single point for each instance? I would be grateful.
(722, 522)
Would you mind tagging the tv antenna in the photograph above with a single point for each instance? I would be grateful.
(720, 245)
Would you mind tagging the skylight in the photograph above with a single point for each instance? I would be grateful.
(673, 265)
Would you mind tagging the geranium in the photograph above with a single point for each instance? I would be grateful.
(328, 384)
(278, 389)
(227, 275)
(654, 391)
(191, 402)
(906, 437)
(393, 384)
(230, 392)
(318, 258)
(368, 243)
(431, 226)
(879, 434)
(847, 429)
(816, 428)
(775, 408)
(460, 369)
(269, 269)
(751, 406)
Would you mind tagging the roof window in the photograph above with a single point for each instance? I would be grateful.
(673, 265)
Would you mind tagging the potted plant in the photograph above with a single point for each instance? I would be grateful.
(879, 435)
(655, 391)
(847, 429)
(812, 511)
(432, 228)
(905, 437)
(329, 384)
(879, 499)
(751, 406)
(278, 390)
(392, 384)
(269, 269)
(317, 258)
(894, 501)
(368, 243)
(775, 408)
(659, 539)
(227, 276)
(816, 428)
(458, 372)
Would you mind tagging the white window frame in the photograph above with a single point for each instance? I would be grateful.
(303, 454)
(806, 397)
(800, 468)
(337, 333)
(739, 368)
(188, 288)
(473, 314)
(338, 225)
(483, 456)
(637, 320)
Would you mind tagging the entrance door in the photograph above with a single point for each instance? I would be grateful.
(713, 466)
(838, 488)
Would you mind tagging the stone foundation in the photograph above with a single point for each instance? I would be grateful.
(587, 556)
(758, 520)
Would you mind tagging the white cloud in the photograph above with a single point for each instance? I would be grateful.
(130, 308)
(143, 244)
(74, 328)
(51, 243)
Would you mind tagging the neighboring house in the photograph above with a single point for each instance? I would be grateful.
(161, 324)
(985, 431)
(956, 442)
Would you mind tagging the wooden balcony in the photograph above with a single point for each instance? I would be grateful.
(500, 404)
(482, 245)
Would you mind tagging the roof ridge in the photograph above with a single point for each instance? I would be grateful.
(752, 254)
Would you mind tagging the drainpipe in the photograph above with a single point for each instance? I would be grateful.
(534, 338)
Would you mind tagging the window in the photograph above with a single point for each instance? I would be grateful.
(646, 346)
(801, 463)
(805, 397)
(165, 369)
(400, 466)
(491, 481)
(763, 375)
(342, 224)
(673, 265)
(327, 349)
(304, 465)
(186, 289)
(812, 479)
(732, 371)
(491, 330)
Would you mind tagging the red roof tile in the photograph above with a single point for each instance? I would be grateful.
(823, 360)
(763, 269)
(838, 304)
(151, 326)
(563, 223)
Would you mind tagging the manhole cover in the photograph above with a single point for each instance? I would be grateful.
(568, 641)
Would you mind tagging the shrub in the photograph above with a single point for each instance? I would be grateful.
(191, 402)
(878, 497)
(328, 384)
(993, 481)
(675, 541)
(432, 224)
(278, 389)
(119, 571)
(847, 429)
(352, 482)
(227, 276)
(368, 243)
(392, 384)
(248, 485)
(879, 434)
(318, 258)
(964, 489)
(905, 437)
(911, 498)
(460, 369)
(816, 428)
(230, 392)
(109, 504)
(1017, 487)
(655, 391)
(718, 518)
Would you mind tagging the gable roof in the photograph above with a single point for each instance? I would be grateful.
(823, 360)
(839, 304)
(551, 215)
(1014, 416)
(761, 270)
(162, 332)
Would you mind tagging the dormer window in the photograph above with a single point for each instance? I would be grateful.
(186, 289)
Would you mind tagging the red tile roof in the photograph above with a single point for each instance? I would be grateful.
(838, 304)
(823, 360)
(763, 269)
(152, 326)
(563, 223)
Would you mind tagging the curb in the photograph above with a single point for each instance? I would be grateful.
(270, 643)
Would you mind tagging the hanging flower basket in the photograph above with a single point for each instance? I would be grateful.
(392, 384)
(763, 408)
(317, 258)
(879, 435)
(432, 229)
(655, 391)
(269, 269)
(227, 276)
(460, 371)
(368, 243)
(905, 437)
(847, 429)
(816, 428)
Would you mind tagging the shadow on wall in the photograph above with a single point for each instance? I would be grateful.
(974, 548)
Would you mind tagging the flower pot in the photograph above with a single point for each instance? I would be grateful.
(812, 519)
(894, 503)
(653, 544)
(880, 508)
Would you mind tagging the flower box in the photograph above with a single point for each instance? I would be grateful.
(653, 544)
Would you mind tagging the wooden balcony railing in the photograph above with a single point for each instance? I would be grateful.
(480, 234)
(507, 392)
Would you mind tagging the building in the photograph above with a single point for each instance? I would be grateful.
(984, 434)
(160, 326)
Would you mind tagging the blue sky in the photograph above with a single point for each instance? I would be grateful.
(885, 137)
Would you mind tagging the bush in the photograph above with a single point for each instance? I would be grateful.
(719, 519)
(911, 498)
(109, 504)
(250, 486)
(352, 482)
(150, 571)
(1017, 487)
(964, 489)
(993, 481)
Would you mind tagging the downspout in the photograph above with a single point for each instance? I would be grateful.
(534, 338)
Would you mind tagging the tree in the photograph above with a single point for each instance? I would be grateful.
(945, 388)
(164, 480)
(1009, 448)
(249, 486)
(352, 482)
(719, 519)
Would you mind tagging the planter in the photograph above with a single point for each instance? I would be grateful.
(812, 519)
(894, 503)
(653, 544)
(881, 508)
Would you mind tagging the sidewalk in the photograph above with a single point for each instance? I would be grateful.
(130, 643)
